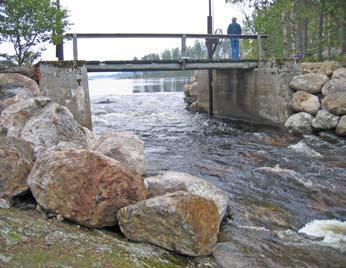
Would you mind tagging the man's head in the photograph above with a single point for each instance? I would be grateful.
(234, 19)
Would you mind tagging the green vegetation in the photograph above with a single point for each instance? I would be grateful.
(27, 24)
(314, 28)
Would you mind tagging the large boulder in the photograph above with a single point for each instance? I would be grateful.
(299, 123)
(335, 103)
(305, 102)
(170, 181)
(341, 127)
(339, 73)
(325, 67)
(181, 222)
(324, 120)
(311, 83)
(16, 161)
(44, 124)
(15, 87)
(84, 186)
(334, 86)
(124, 147)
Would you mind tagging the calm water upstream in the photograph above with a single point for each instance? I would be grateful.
(277, 183)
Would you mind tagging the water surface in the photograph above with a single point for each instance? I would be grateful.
(274, 187)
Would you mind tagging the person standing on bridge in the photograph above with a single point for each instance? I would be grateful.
(234, 28)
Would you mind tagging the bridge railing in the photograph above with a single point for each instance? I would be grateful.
(213, 38)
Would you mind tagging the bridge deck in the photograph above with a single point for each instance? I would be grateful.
(167, 65)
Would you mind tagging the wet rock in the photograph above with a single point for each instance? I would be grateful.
(16, 160)
(324, 120)
(16, 87)
(341, 127)
(328, 136)
(339, 73)
(124, 147)
(299, 123)
(305, 102)
(301, 147)
(44, 124)
(181, 222)
(170, 181)
(311, 83)
(334, 86)
(335, 103)
(84, 186)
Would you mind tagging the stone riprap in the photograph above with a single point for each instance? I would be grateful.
(305, 102)
(84, 186)
(15, 87)
(311, 83)
(124, 147)
(16, 161)
(329, 102)
(299, 123)
(341, 127)
(180, 221)
(44, 124)
(171, 181)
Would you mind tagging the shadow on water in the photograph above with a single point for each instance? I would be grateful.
(274, 189)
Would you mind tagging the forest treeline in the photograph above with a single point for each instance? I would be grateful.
(316, 29)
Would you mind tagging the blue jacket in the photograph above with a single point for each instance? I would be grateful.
(234, 28)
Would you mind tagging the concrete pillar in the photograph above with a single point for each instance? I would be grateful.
(67, 84)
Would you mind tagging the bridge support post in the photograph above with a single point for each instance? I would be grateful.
(75, 48)
(259, 49)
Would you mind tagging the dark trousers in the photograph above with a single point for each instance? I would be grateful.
(235, 51)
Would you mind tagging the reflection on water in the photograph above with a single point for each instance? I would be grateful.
(276, 186)
(159, 85)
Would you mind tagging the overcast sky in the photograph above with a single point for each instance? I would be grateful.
(138, 16)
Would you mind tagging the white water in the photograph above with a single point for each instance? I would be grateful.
(333, 232)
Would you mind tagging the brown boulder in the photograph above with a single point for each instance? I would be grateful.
(305, 102)
(84, 186)
(311, 83)
(16, 87)
(335, 103)
(339, 73)
(16, 160)
(181, 222)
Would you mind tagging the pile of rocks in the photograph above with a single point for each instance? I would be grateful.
(319, 103)
(97, 182)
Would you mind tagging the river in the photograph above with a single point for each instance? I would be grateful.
(288, 194)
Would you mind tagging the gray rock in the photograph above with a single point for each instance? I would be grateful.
(335, 103)
(341, 127)
(16, 87)
(16, 161)
(302, 147)
(334, 86)
(170, 181)
(299, 123)
(181, 222)
(305, 102)
(339, 73)
(324, 120)
(124, 147)
(311, 83)
(43, 123)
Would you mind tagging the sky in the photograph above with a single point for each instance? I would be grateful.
(137, 16)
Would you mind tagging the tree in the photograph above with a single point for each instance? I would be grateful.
(28, 23)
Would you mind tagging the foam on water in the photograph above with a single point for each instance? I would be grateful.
(333, 232)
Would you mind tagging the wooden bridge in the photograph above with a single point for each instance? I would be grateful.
(183, 63)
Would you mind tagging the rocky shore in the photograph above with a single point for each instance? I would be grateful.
(74, 178)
